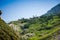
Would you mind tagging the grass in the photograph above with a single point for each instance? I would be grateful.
(6, 33)
(50, 34)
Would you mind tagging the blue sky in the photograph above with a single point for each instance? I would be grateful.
(17, 9)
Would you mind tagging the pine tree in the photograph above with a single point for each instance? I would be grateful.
(0, 12)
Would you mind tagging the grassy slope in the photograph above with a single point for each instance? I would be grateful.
(6, 33)
(49, 35)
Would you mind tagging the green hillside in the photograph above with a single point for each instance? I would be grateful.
(39, 29)
(45, 27)
(6, 33)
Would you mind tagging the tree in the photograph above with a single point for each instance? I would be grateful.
(0, 12)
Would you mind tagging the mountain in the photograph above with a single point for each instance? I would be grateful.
(45, 27)
(6, 32)
(54, 10)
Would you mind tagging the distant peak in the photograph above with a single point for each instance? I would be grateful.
(57, 5)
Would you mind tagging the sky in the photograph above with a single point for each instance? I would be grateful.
(16, 9)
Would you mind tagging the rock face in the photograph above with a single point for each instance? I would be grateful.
(7, 33)
(15, 27)
(28, 35)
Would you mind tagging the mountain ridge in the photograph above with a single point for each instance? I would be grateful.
(54, 10)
